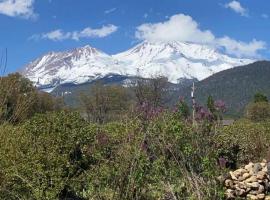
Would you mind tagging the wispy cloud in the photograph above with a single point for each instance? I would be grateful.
(145, 15)
(18, 8)
(184, 29)
(110, 11)
(237, 7)
(60, 35)
(265, 16)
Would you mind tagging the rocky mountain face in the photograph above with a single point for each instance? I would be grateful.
(175, 60)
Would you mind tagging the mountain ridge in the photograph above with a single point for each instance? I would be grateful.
(174, 60)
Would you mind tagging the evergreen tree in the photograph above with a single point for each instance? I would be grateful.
(259, 97)
(211, 104)
(183, 109)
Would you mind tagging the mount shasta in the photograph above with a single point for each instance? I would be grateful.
(175, 60)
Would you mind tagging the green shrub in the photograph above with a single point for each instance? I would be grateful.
(41, 157)
(259, 111)
(153, 163)
(20, 100)
(259, 97)
(244, 141)
(59, 155)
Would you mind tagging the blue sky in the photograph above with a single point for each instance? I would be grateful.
(30, 28)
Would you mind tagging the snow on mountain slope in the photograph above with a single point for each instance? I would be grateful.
(177, 60)
(77, 66)
(174, 60)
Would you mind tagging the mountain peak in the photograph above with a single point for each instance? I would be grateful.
(87, 49)
(174, 60)
(184, 48)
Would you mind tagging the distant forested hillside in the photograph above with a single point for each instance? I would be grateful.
(235, 86)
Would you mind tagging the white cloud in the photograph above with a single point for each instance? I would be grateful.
(110, 11)
(178, 27)
(239, 48)
(100, 33)
(184, 29)
(265, 16)
(145, 15)
(18, 8)
(237, 7)
(59, 35)
(56, 35)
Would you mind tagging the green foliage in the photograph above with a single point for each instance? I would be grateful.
(20, 100)
(60, 155)
(16, 98)
(259, 97)
(152, 91)
(105, 103)
(41, 158)
(211, 104)
(259, 111)
(244, 141)
(183, 109)
(44, 102)
(152, 163)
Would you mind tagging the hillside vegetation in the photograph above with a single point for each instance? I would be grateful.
(235, 86)
(133, 150)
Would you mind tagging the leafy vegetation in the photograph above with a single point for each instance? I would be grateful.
(19, 100)
(244, 141)
(122, 149)
(259, 109)
(60, 155)
(104, 103)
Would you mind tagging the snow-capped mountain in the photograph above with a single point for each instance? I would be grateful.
(76, 66)
(175, 60)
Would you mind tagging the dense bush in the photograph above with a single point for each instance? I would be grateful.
(40, 158)
(259, 111)
(244, 141)
(20, 100)
(259, 97)
(59, 155)
(103, 103)
(150, 154)
(154, 163)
